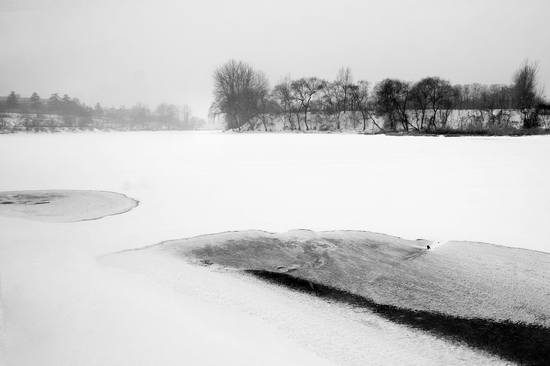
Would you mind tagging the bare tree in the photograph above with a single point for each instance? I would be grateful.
(185, 113)
(167, 115)
(336, 98)
(303, 90)
(139, 115)
(419, 102)
(360, 99)
(496, 99)
(526, 92)
(237, 91)
(392, 98)
(267, 109)
(282, 94)
(435, 94)
(441, 96)
(331, 103)
(343, 83)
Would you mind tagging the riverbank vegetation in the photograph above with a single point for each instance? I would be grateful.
(244, 100)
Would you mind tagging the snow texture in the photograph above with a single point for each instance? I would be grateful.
(63, 307)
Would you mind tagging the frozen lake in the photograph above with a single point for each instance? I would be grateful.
(61, 307)
(481, 189)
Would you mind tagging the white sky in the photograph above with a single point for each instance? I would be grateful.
(121, 52)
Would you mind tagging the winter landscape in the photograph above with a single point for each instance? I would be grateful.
(285, 182)
(100, 292)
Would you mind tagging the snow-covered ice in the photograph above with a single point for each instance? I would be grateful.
(64, 205)
(62, 307)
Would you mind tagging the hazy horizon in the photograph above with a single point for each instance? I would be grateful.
(123, 52)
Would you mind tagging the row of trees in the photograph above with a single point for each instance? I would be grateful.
(244, 99)
(72, 113)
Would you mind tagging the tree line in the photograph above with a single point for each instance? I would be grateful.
(69, 112)
(244, 99)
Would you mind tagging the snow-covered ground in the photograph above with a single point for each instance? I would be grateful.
(60, 306)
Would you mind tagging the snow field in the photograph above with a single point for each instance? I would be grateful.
(61, 308)
(476, 189)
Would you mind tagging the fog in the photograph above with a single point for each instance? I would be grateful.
(123, 52)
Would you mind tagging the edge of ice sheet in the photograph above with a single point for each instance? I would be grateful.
(459, 278)
(63, 206)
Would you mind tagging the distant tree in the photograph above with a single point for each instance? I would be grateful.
(526, 93)
(457, 102)
(266, 108)
(199, 123)
(392, 98)
(360, 100)
(73, 112)
(12, 102)
(167, 115)
(343, 85)
(237, 91)
(332, 102)
(496, 99)
(67, 110)
(303, 91)
(66, 105)
(139, 115)
(115, 118)
(98, 110)
(196, 123)
(525, 84)
(55, 104)
(419, 102)
(185, 113)
(435, 94)
(440, 99)
(282, 94)
(84, 114)
(36, 103)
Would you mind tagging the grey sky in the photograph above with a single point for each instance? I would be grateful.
(121, 52)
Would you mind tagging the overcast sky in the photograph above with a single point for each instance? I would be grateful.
(121, 52)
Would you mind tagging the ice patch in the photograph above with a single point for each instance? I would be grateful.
(63, 205)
